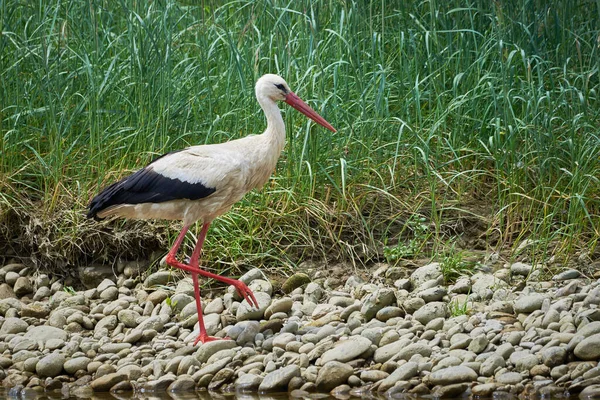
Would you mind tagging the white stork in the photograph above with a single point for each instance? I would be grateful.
(200, 183)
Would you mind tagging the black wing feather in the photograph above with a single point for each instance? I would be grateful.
(146, 186)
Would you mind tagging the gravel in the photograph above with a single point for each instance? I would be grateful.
(399, 333)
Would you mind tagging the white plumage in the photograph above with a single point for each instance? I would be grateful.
(200, 183)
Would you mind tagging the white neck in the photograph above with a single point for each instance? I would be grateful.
(275, 132)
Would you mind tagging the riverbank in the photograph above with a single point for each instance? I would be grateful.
(331, 329)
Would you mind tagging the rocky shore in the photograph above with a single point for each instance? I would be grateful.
(328, 331)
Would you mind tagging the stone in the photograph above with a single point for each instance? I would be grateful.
(332, 374)
(523, 360)
(454, 390)
(346, 350)
(282, 305)
(13, 325)
(92, 276)
(279, 379)
(529, 303)
(404, 372)
(484, 284)
(222, 377)
(375, 301)
(389, 312)
(248, 383)
(587, 349)
(567, 275)
(155, 323)
(23, 286)
(245, 311)
(416, 348)
(295, 281)
(554, 356)
(509, 378)
(51, 365)
(313, 293)
(159, 278)
(451, 375)
(35, 310)
(386, 352)
(105, 284)
(484, 390)
(128, 318)
(425, 273)
(75, 364)
(520, 268)
(208, 349)
(6, 291)
(105, 382)
(431, 311)
(491, 364)
(183, 383)
(478, 344)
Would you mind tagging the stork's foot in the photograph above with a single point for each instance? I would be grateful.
(204, 338)
(245, 292)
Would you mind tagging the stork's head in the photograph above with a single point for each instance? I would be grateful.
(275, 88)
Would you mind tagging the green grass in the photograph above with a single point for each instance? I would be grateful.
(466, 112)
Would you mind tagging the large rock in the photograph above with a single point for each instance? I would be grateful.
(483, 285)
(278, 380)
(523, 360)
(589, 348)
(44, 333)
(159, 278)
(51, 365)
(431, 311)
(451, 375)
(425, 273)
(208, 349)
(376, 301)
(23, 286)
(75, 364)
(295, 281)
(13, 325)
(412, 349)
(245, 311)
(6, 291)
(529, 303)
(384, 353)
(346, 350)
(105, 382)
(91, 276)
(332, 374)
(404, 372)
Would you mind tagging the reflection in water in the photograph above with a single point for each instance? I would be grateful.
(201, 395)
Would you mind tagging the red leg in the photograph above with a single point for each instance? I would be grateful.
(195, 270)
(202, 336)
(194, 266)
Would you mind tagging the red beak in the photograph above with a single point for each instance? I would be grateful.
(293, 100)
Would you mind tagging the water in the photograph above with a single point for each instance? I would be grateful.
(201, 395)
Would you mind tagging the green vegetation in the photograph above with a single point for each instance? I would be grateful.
(480, 116)
(457, 308)
(454, 265)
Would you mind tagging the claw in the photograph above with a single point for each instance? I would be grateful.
(246, 293)
(204, 338)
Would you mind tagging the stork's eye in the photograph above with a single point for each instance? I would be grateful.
(281, 87)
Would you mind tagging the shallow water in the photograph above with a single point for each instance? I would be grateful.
(201, 395)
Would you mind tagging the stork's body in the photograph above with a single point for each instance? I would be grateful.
(200, 183)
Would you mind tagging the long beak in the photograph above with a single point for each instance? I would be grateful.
(293, 100)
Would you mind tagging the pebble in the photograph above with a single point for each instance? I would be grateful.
(325, 334)
(450, 375)
(332, 374)
(347, 350)
(279, 379)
